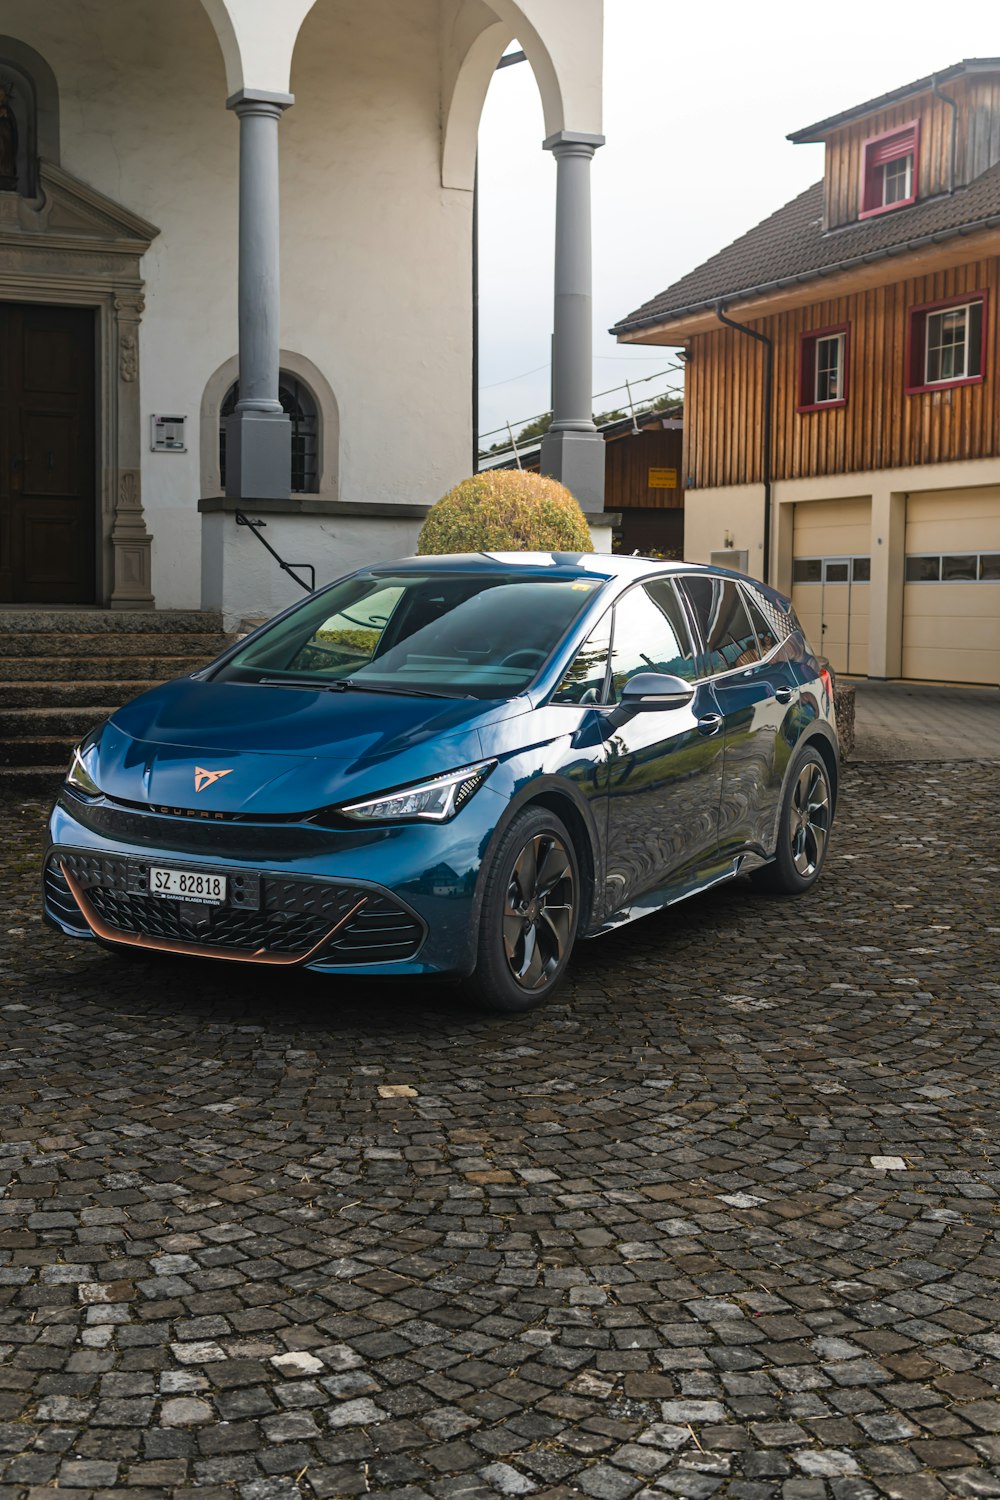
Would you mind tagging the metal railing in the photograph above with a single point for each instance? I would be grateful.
(256, 527)
(673, 391)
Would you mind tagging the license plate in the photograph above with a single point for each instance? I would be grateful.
(188, 885)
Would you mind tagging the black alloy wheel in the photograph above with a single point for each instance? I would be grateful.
(530, 913)
(804, 828)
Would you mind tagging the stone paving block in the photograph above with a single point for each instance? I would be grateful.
(633, 1244)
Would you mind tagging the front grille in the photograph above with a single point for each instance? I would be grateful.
(218, 927)
(292, 917)
(250, 839)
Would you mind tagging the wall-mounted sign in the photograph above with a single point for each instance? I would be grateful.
(167, 435)
(663, 479)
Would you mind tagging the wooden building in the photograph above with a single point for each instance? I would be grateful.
(643, 482)
(842, 427)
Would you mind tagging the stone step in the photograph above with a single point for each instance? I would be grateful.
(99, 669)
(21, 723)
(30, 783)
(65, 647)
(18, 696)
(111, 621)
(48, 750)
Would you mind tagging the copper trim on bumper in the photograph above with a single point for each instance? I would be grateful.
(107, 934)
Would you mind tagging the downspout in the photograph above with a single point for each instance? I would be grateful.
(761, 338)
(935, 90)
(475, 320)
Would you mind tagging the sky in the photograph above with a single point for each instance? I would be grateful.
(697, 103)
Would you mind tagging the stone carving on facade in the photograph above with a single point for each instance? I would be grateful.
(128, 356)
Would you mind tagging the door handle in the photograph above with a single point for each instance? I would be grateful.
(783, 694)
(709, 724)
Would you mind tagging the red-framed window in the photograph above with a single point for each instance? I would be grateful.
(823, 368)
(889, 169)
(947, 343)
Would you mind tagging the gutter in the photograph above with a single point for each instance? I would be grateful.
(946, 99)
(768, 343)
(802, 278)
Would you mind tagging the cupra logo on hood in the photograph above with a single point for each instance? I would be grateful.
(203, 778)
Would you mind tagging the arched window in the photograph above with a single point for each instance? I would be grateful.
(299, 405)
(18, 131)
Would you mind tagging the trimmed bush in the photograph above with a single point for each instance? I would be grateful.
(505, 510)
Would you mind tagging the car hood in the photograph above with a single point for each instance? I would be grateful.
(237, 748)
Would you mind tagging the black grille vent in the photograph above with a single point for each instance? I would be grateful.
(293, 916)
(59, 899)
(378, 933)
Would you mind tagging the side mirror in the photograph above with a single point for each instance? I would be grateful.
(655, 691)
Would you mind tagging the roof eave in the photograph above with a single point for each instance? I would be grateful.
(675, 315)
(811, 134)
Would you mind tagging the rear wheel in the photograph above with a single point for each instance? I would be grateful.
(530, 914)
(804, 828)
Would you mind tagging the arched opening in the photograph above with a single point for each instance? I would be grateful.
(308, 399)
(29, 117)
(299, 406)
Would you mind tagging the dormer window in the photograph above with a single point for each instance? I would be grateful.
(889, 171)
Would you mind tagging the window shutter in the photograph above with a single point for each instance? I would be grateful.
(892, 148)
(918, 343)
(807, 372)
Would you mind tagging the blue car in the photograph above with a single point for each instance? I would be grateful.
(455, 766)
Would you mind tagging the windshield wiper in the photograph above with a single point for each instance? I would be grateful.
(345, 684)
(405, 692)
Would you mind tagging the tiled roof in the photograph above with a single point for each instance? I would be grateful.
(791, 247)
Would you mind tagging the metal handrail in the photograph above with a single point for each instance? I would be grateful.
(255, 528)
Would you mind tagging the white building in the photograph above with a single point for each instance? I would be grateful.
(139, 170)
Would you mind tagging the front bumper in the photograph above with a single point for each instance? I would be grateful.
(392, 901)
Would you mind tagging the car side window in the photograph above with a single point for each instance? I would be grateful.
(725, 625)
(650, 635)
(584, 681)
(763, 623)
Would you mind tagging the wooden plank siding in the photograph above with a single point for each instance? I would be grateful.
(879, 427)
(977, 143)
(627, 464)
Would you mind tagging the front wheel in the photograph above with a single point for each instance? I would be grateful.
(530, 914)
(803, 829)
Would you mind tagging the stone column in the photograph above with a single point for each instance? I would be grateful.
(259, 435)
(572, 449)
(131, 543)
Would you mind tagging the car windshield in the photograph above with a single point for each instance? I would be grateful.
(452, 635)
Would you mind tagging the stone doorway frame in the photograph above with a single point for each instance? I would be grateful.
(73, 247)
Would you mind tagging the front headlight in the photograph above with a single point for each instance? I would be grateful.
(78, 777)
(433, 801)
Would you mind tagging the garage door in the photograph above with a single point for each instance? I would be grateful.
(951, 596)
(830, 575)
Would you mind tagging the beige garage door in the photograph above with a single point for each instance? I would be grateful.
(830, 579)
(951, 597)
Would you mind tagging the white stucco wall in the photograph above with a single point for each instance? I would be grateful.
(376, 275)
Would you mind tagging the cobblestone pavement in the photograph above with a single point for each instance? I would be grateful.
(720, 1222)
(921, 721)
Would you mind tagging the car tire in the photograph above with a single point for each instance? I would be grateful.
(803, 828)
(530, 914)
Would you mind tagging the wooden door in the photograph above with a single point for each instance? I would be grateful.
(47, 455)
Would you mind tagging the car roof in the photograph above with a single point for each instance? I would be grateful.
(551, 564)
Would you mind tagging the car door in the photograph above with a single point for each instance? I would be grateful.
(755, 692)
(664, 768)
